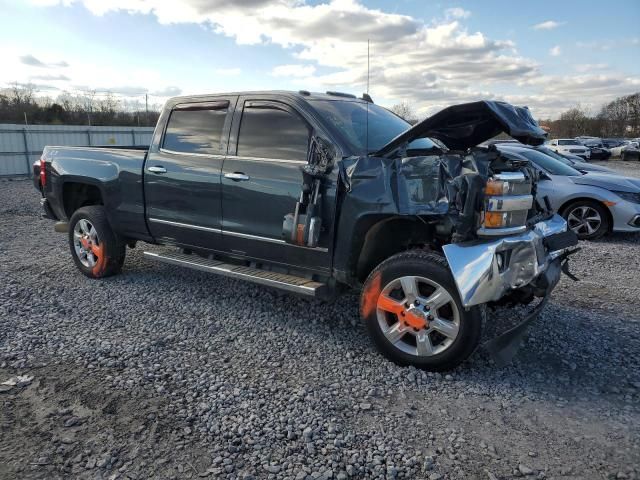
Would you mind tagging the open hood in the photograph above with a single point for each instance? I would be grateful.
(464, 126)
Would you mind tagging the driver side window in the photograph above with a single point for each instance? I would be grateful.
(267, 131)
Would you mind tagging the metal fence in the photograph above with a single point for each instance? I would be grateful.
(21, 145)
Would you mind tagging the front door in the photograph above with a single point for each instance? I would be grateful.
(261, 183)
(182, 178)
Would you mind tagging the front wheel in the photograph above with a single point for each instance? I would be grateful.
(588, 219)
(412, 312)
(96, 249)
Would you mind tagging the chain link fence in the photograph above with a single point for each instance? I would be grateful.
(21, 145)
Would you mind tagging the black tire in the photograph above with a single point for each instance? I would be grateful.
(582, 232)
(109, 249)
(433, 267)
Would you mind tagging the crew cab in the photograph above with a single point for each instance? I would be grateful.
(318, 194)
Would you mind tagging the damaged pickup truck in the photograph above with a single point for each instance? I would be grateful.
(317, 194)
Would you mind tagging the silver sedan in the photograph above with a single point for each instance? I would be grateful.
(592, 203)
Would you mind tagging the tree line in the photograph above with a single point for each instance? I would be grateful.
(619, 118)
(20, 104)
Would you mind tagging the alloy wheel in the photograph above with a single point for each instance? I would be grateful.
(86, 243)
(584, 220)
(418, 316)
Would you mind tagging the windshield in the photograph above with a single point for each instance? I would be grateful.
(568, 142)
(557, 156)
(549, 164)
(350, 119)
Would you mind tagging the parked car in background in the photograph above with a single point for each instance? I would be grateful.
(570, 145)
(598, 150)
(631, 152)
(611, 142)
(575, 162)
(593, 203)
(617, 150)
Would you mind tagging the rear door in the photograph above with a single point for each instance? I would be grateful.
(262, 182)
(182, 176)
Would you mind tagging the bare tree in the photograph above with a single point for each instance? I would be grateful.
(21, 94)
(406, 111)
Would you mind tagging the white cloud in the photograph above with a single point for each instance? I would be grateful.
(168, 92)
(457, 12)
(32, 61)
(293, 71)
(228, 71)
(548, 25)
(588, 67)
(555, 51)
(432, 64)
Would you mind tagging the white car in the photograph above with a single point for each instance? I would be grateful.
(617, 151)
(570, 146)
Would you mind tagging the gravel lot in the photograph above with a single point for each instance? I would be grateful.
(163, 372)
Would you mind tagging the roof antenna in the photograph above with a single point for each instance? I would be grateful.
(367, 134)
(367, 66)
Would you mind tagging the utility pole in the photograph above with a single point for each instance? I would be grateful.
(146, 106)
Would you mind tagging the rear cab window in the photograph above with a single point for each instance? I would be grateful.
(196, 128)
(270, 131)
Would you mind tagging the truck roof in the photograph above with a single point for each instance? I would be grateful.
(300, 94)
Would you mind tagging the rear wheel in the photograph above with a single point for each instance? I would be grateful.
(588, 219)
(96, 249)
(413, 313)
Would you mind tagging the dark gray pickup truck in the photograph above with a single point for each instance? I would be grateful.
(320, 193)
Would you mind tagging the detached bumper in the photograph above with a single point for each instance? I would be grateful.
(486, 271)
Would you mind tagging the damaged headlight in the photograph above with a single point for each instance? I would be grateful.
(506, 205)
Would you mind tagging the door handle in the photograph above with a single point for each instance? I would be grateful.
(236, 176)
(157, 169)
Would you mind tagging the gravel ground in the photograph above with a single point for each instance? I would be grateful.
(163, 372)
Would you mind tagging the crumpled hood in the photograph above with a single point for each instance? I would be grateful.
(464, 126)
(609, 182)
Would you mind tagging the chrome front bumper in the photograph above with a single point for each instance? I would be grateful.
(486, 271)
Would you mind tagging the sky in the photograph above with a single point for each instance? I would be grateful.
(547, 55)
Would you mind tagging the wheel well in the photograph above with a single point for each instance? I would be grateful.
(587, 199)
(388, 237)
(76, 195)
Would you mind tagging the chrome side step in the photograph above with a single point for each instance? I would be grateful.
(282, 281)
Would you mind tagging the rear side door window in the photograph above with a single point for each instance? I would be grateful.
(268, 131)
(196, 128)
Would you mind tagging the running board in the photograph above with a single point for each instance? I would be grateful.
(281, 281)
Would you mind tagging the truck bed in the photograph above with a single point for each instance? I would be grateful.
(115, 171)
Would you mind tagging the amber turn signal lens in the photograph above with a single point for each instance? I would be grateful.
(495, 187)
(494, 219)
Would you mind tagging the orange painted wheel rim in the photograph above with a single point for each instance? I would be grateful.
(417, 315)
(88, 247)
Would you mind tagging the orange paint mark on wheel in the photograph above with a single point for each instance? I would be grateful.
(370, 296)
(98, 251)
(390, 305)
(414, 320)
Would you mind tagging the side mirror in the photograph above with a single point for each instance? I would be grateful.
(322, 155)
